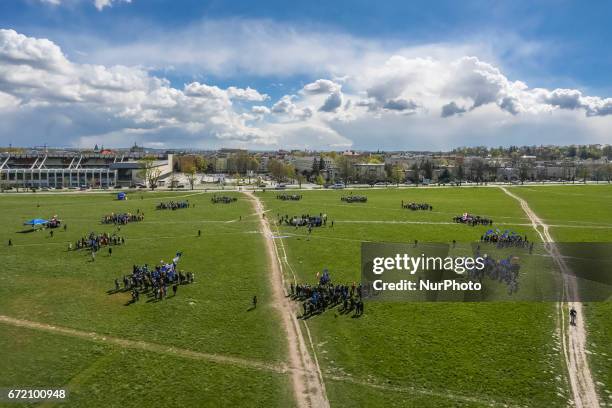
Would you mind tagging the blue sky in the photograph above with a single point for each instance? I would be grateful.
(535, 72)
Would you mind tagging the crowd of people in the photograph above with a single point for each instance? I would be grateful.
(154, 281)
(354, 199)
(417, 206)
(473, 220)
(304, 220)
(223, 199)
(506, 238)
(95, 241)
(325, 295)
(122, 218)
(173, 205)
(290, 197)
(504, 271)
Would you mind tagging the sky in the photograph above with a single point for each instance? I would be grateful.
(316, 75)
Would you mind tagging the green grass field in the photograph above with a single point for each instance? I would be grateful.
(585, 206)
(397, 354)
(44, 282)
(500, 352)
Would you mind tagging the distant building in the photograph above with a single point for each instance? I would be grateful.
(303, 163)
(74, 169)
(369, 172)
(137, 149)
(129, 172)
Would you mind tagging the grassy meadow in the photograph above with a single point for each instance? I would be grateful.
(587, 210)
(395, 355)
(44, 282)
(503, 353)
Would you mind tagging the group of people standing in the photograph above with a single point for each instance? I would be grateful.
(354, 199)
(290, 197)
(473, 220)
(304, 220)
(95, 241)
(154, 281)
(173, 205)
(222, 199)
(505, 270)
(122, 218)
(416, 206)
(326, 295)
(506, 238)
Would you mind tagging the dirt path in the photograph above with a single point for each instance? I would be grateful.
(573, 337)
(145, 346)
(229, 360)
(307, 380)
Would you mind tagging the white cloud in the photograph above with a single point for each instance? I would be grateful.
(451, 109)
(321, 86)
(261, 110)
(98, 4)
(247, 94)
(114, 99)
(332, 102)
(365, 95)
(286, 107)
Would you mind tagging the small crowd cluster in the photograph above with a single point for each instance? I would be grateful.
(290, 197)
(223, 199)
(173, 205)
(123, 218)
(473, 220)
(506, 238)
(354, 199)
(504, 271)
(304, 220)
(154, 282)
(95, 241)
(417, 206)
(326, 295)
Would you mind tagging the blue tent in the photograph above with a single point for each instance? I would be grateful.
(121, 196)
(36, 222)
